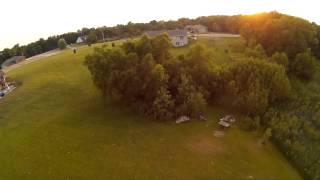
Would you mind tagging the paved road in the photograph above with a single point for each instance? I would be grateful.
(32, 59)
(218, 35)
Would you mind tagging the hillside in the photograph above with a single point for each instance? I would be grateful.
(57, 126)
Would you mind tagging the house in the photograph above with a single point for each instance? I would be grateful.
(12, 61)
(81, 39)
(196, 29)
(178, 38)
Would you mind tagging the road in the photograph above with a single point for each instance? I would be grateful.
(32, 59)
(218, 35)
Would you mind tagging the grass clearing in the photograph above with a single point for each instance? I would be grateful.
(56, 126)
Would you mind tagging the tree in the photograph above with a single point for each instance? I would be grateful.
(281, 59)
(303, 66)
(267, 135)
(256, 52)
(62, 44)
(92, 38)
(255, 84)
(163, 105)
(279, 33)
(160, 47)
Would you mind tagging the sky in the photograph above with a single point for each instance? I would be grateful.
(25, 21)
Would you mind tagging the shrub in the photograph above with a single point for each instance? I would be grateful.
(62, 44)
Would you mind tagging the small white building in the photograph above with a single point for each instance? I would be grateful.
(178, 38)
(81, 39)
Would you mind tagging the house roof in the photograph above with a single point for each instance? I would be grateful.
(171, 33)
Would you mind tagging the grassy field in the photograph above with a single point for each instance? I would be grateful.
(56, 126)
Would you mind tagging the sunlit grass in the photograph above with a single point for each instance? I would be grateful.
(56, 126)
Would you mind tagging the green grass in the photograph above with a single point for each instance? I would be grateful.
(56, 126)
(219, 48)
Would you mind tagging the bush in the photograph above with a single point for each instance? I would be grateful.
(303, 66)
(281, 59)
(92, 38)
(62, 44)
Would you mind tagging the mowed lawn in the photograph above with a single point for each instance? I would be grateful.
(56, 126)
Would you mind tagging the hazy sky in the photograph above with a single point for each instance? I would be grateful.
(24, 21)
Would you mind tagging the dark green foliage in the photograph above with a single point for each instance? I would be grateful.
(279, 33)
(303, 66)
(255, 84)
(160, 47)
(162, 105)
(144, 72)
(138, 75)
(281, 59)
(62, 44)
(316, 46)
(92, 38)
(297, 135)
(256, 52)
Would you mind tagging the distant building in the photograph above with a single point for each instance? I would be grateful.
(197, 29)
(178, 38)
(81, 39)
(12, 61)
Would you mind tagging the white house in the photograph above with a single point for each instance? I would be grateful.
(178, 38)
(81, 39)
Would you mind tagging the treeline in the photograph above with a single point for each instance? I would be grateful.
(94, 34)
(285, 37)
(293, 43)
(37, 47)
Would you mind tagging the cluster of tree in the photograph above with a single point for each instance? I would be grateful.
(301, 67)
(230, 24)
(296, 130)
(279, 33)
(255, 84)
(293, 124)
(144, 72)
